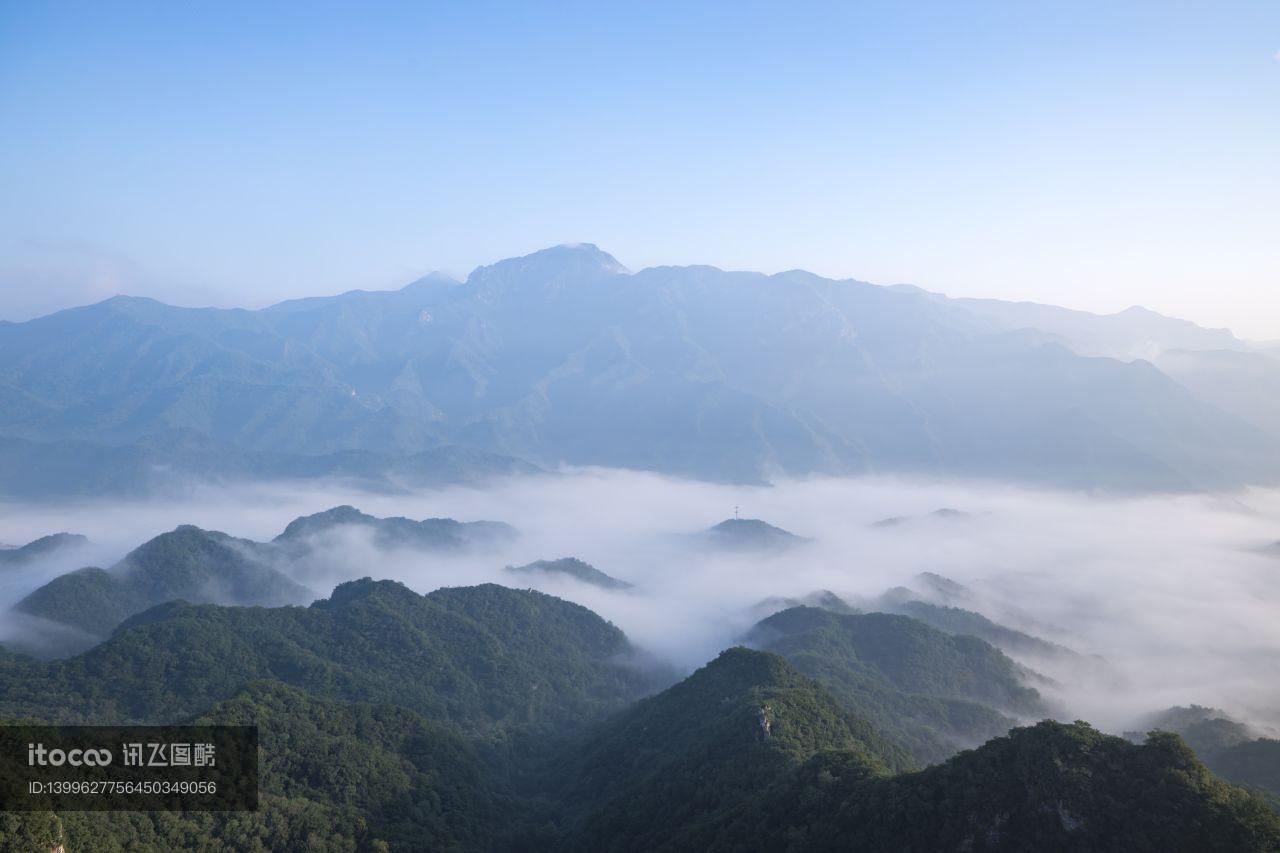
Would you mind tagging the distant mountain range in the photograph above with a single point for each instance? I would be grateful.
(563, 356)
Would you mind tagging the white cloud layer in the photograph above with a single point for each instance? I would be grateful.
(1177, 594)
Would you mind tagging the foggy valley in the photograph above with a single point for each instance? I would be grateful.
(1163, 600)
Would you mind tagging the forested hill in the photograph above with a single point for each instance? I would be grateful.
(491, 719)
(186, 563)
(1051, 787)
(931, 692)
(209, 567)
(479, 657)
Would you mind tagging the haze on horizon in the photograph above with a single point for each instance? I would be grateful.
(1092, 157)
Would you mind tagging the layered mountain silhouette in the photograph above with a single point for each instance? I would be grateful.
(204, 566)
(186, 564)
(39, 549)
(563, 356)
(570, 567)
(434, 534)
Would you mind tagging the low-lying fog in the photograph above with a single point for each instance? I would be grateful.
(1176, 593)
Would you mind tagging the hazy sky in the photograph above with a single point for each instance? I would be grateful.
(1095, 155)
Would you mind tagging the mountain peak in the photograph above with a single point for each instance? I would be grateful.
(333, 517)
(586, 251)
(750, 534)
(349, 592)
(555, 263)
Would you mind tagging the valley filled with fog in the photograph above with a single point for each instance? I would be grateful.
(1153, 601)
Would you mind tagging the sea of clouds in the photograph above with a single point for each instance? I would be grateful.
(1170, 600)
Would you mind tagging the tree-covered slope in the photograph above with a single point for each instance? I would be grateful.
(1252, 763)
(202, 566)
(333, 777)
(932, 691)
(1228, 747)
(1050, 787)
(699, 747)
(486, 718)
(911, 655)
(187, 563)
(479, 657)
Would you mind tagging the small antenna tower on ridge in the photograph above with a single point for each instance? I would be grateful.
(735, 513)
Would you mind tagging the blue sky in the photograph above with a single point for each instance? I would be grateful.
(1095, 155)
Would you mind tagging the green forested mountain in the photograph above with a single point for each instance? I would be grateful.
(944, 617)
(1228, 747)
(333, 776)
(187, 563)
(491, 719)
(1251, 763)
(1206, 730)
(1051, 787)
(483, 658)
(710, 742)
(931, 691)
(203, 566)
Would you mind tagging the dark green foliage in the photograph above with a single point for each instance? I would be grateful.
(333, 777)
(1051, 787)
(91, 598)
(1252, 763)
(571, 567)
(912, 656)
(932, 692)
(412, 782)
(187, 563)
(699, 747)
(478, 656)
(36, 832)
(476, 718)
